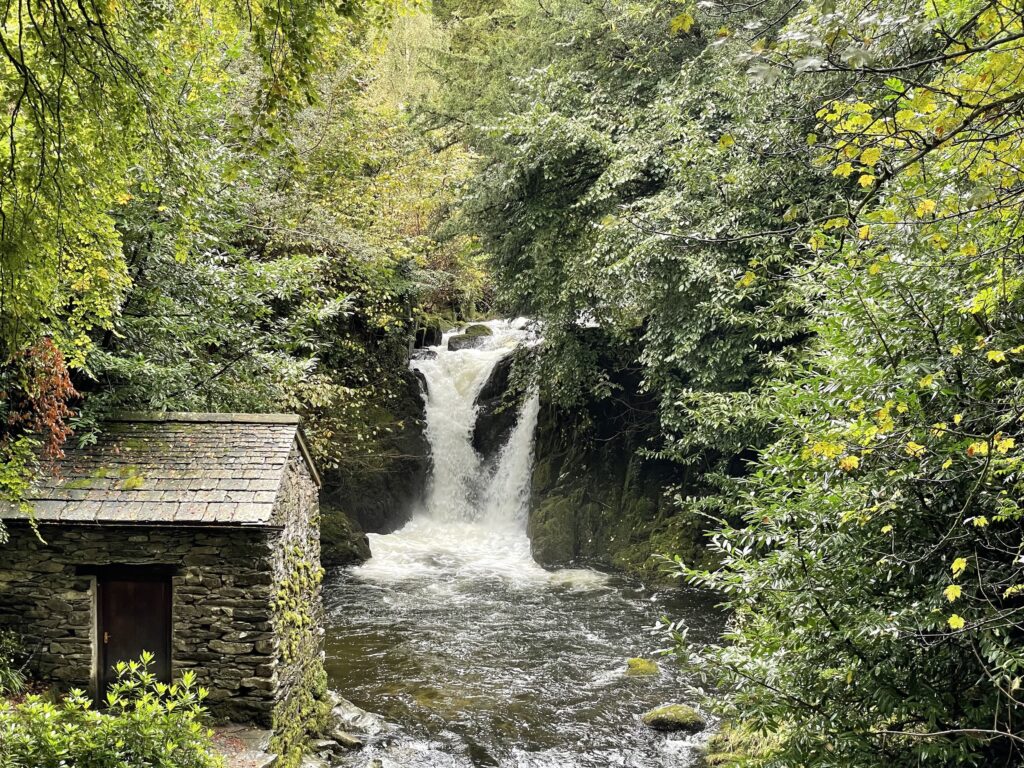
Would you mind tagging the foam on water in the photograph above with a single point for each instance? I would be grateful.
(472, 522)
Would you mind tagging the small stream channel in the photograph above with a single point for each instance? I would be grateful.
(477, 655)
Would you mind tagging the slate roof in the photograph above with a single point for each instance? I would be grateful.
(173, 468)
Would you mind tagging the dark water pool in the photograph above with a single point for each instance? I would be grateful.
(479, 657)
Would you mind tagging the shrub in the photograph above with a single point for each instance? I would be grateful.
(12, 677)
(147, 724)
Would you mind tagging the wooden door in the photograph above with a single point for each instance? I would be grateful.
(134, 616)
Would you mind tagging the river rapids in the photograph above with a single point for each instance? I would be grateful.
(475, 654)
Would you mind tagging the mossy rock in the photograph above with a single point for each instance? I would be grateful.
(464, 341)
(478, 330)
(342, 541)
(675, 717)
(637, 667)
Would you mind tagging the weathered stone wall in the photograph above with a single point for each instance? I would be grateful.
(302, 705)
(222, 624)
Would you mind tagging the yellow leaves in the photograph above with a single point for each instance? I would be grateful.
(866, 180)
(827, 449)
(915, 450)
(955, 622)
(836, 223)
(849, 463)
(958, 567)
(956, 350)
(969, 249)
(681, 24)
(726, 141)
(844, 170)
(926, 381)
(957, 418)
(1004, 444)
(747, 280)
(864, 232)
(939, 429)
(925, 207)
(871, 156)
(996, 356)
(886, 529)
(979, 448)
(812, 139)
(980, 521)
(952, 592)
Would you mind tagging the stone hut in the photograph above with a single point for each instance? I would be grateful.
(193, 536)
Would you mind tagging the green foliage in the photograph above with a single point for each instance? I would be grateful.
(305, 708)
(876, 575)
(802, 224)
(145, 723)
(12, 671)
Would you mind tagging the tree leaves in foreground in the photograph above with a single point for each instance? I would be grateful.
(878, 580)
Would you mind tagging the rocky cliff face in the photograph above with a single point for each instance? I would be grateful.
(379, 499)
(596, 499)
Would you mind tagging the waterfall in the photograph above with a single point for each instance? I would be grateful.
(471, 523)
(461, 486)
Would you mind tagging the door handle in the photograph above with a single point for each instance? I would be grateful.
(106, 638)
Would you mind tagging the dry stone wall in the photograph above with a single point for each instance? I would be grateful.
(223, 623)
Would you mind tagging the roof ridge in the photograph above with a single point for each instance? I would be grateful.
(210, 418)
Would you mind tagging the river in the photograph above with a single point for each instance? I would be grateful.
(476, 654)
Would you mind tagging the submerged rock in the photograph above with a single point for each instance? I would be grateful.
(675, 717)
(642, 667)
(347, 717)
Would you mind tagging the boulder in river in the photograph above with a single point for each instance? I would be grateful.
(346, 716)
(675, 717)
(342, 541)
(478, 329)
(641, 667)
(457, 343)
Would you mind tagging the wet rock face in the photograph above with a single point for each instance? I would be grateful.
(342, 541)
(497, 411)
(381, 499)
(594, 497)
(428, 336)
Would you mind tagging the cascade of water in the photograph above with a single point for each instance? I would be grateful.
(508, 494)
(460, 488)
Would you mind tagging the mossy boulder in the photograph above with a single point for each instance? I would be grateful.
(342, 541)
(478, 330)
(675, 717)
(642, 667)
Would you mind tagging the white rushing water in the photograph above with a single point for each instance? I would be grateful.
(472, 520)
(478, 655)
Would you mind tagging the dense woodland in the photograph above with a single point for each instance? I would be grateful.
(795, 230)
